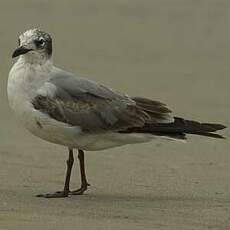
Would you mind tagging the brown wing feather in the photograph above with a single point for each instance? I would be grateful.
(91, 113)
(158, 111)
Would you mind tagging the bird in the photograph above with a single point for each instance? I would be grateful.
(66, 109)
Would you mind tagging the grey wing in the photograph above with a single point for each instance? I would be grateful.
(80, 102)
(95, 108)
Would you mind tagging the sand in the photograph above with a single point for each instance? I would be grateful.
(176, 51)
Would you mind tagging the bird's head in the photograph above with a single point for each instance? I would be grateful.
(35, 45)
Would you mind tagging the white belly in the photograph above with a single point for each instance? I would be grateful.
(60, 133)
(72, 136)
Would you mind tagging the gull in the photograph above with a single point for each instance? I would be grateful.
(63, 108)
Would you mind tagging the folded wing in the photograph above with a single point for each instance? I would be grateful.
(95, 108)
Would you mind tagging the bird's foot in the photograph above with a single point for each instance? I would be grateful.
(59, 194)
(62, 194)
(80, 191)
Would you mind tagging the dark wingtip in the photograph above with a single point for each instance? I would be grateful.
(215, 135)
(207, 129)
(207, 134)
(216, 126)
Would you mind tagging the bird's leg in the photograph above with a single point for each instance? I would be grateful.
(69, 163)
(84, 183)
(65, 191)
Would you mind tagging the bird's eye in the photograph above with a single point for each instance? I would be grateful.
(19, 42)
(40, 43)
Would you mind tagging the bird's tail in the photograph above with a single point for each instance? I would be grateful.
(180, 127)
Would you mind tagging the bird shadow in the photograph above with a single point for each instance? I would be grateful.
(141, 199)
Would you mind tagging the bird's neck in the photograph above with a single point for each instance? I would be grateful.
(33, 58)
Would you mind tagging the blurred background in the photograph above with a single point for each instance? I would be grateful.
(175, 51)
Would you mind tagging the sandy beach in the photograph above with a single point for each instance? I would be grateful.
(175, 51)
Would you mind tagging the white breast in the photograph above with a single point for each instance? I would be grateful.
(24, 84)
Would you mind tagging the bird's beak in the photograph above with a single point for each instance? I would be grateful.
(20, 50)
